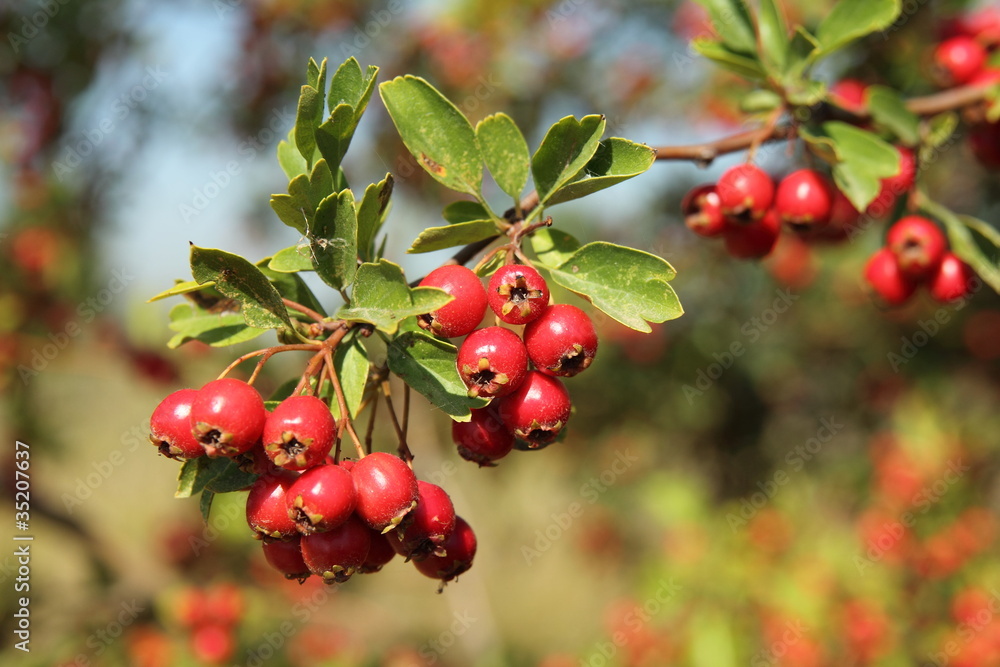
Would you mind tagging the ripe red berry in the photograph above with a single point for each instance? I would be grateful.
(337, 554)
(517, 293)
(460, 548)
(321, 499)
(465, 312)
(227, 417)
(850, 94)
(285, 556)
(299, 433)
(884, 277)
(958, 59)
(954, 279)
(170, 426)
(380, 553)
(804, 199)
(702, 210)
(432, 523)
(267, 511)
(224, 604)
(745, 191)
(213, 644)
(492, 362)
(483, 439)
(898, 185)
(562, 341)
(918, 244)
(537, 411)
(386, 490)
(755, 239)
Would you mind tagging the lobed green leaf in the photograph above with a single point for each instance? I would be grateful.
(238, 279)
(382, 298)
(427, 364)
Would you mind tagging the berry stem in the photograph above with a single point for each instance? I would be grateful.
(369, 432)
(406, 410)
(345, 415)
(404, 449)
(303, 309)
(267, 353)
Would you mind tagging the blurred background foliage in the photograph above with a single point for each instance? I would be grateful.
(825, 496)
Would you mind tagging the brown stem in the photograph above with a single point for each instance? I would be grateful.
(406, 409)
(267, 353)
(303, 309)
(311, 368)
(404, 449)
(369, 432)
(345, 416)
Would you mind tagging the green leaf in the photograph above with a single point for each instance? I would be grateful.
(774, 40)
(615, 160)
(195, 474)
(334, 135)
(428, 365)
(292, 287)
(351, 362)
(863, 160)
(291, 161)
(801, 53)
(488, 268)
(333, 238)
(850, 20)
(566, 149)
(239, 279)
(962, 238)
(739, 63)
(371, 214)
(292, 259)
(230, 478)
(205, 504)
(941, 128)
(320, 183)
(182, 287)
(435, 132)
(464, 211)
(760, 101)
(352, 87)
(288, 212)
(627, 284)
(316, 74)
(214, 329)
(310, 101)
(733, 23)
(888, 110)
(505, 151)
(553, 246)
(381, 297)
(462, 233)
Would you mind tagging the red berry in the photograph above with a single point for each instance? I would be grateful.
(460, 548)
(337, 554)
(299, 433)
(918, 245)
(517, 293)
(386, 488)
(702, 210)
(850, 94)
(755, 239)
(843, 220)
(321, 499)
(285, 556)
(432, 523)
(213, 644)
(380, 553)
(224, 604)
(958, 59)
(227, 417)
(954, 279)
(983, 25)
(492, 362)
(537, 411)
(170, 426)
(483, 439)
(745, 191)
(984, 139)
(465, 312)
(986, 78)
(898, 185)
(884, 277)
(804, 199)
(562, 341)
(267, 511)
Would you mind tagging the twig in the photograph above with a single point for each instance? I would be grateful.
(303, 309)
(267, 353)
(404, 449)
(345, 415)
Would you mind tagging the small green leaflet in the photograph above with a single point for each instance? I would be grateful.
(333, 238)
(427, 364)
(849, 20)
(381, 297)
(553, 246)
(215, 329)
(292, 259)
(351, 361)
(564, 152)
(614, 161)
(462, 233)
(239, 279)
(505, 152)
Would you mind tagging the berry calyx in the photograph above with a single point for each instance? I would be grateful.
(958, 59)
(227, 417)
(465, 312)
(702, 210)
(483, 439)
(886, 280)
(432, 523)
(492, 362)
(299, 433)
(755, 239)
(321, 499)
(537, 411)
(386, 490)
(953, 280)
(267, 511)
(460, 549)
(285, 556)
(745, 192)
(804, 199)
(517, 294)
(919, 245)
(170, 426)
(380, 553)
(562, 341)
(337, 554)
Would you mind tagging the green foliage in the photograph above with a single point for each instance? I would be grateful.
(564, 153)
(428, 365)
(238, 279)
(333, 237)
(505, 152)
(382, 298)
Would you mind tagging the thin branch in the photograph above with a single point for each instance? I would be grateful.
(404, 449)
(267, 353)
(369, 432)
(345, 415)
(406, 410)
(303, 309)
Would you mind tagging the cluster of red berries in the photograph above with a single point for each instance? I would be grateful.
(211, 616)
(532, 406)
(315, 515)
(916, 253)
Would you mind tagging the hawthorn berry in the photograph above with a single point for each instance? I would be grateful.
(492, 361)
(337, 554)
(386, 490)
(850, 94)
(958, 59)
(321, 499)
(170, 426)
(537, 411)
(702, 210)
(517, 293)
(884, 277)
(212, 644)
(227, 417)
(380, 553)
(804, 199)
(745, 192)
(755, 239)
(432, 523)
(919, 245)
(267, 510)
(562, 341)
(459, 548)
(895, 186)
(299, 433)
(483, 439)
(285, 556)
(462, 315)
(953, 280)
